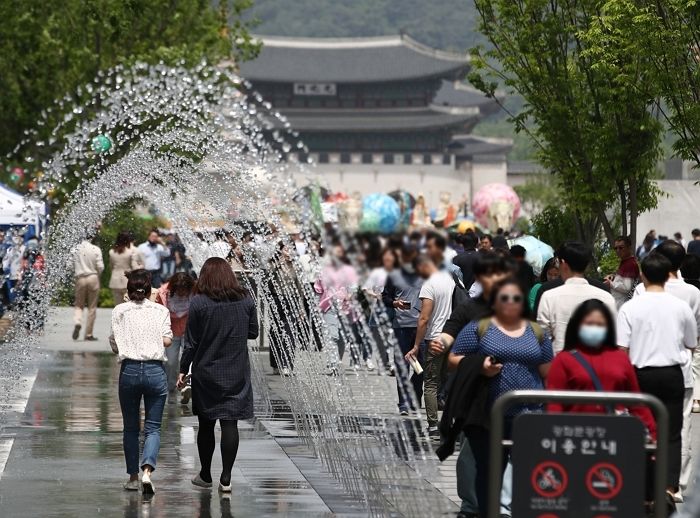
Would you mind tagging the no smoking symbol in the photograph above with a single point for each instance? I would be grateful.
(604, 481)
(549, 479)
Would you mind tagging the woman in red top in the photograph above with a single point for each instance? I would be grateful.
(175, 295)
(591, 334)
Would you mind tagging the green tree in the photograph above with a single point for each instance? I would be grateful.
(553, 225)
(50, 47)
(667, 34)
(594, 133)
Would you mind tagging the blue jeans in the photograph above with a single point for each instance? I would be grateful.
(156, 279)
(148, 380)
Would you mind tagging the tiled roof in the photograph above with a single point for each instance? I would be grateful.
(351, 60)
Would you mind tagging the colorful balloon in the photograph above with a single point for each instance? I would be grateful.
(101, 144)
(496, 205)
(380, 213)
(16, 175)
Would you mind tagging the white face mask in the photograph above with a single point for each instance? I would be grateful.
(592, 336)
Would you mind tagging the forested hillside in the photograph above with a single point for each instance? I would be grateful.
(445, 24)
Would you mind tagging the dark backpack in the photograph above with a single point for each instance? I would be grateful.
(460, 295)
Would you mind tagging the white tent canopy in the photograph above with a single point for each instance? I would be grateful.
(16, 210)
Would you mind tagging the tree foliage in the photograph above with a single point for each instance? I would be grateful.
(593, 132)
(553, 225)
(50, 47)
(667, 34)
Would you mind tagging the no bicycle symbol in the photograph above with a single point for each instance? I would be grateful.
(604, 481)
(549, 479)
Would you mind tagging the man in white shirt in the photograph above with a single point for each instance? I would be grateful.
(87, 267)
(436, 306)
(153, 252)
(557, 305)
(675, 253)
(657, 328)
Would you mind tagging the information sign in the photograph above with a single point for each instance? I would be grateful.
(576, 465)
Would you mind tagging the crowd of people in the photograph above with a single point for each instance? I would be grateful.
(634, 330)
(469, 319)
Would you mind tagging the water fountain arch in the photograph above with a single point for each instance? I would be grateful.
(200, 147)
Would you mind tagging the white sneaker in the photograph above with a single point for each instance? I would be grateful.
(131, 485)
(370, 364)
(224, 489)
(678, 497)
(696, 407)
(286, 372)
(148, 487)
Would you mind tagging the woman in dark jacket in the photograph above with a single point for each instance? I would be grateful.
(222, 318)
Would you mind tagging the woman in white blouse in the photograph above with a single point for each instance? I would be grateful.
(140, 333)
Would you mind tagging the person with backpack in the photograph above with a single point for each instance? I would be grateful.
(517, 357)
(436, 306)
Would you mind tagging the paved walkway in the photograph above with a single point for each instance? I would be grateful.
(61, 453)
(65, 453)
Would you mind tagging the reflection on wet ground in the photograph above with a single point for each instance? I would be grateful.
(67, 457)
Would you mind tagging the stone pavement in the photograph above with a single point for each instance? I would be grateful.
(65, 454)
(60, 445)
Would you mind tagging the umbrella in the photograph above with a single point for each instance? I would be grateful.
(538, 252)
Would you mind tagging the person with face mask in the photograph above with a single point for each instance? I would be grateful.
(590, 345)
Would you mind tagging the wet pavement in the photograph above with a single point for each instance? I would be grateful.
(60, 446)
(65, 452)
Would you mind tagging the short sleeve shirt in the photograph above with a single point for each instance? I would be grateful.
(657, 328)
(520, 357)
(438, 288)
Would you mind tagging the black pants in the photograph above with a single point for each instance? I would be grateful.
(666, 383)
(480, 443)
(406, 337)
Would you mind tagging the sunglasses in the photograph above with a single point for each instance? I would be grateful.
(515, 299)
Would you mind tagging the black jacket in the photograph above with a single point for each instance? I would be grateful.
(466, 261)
(475, 309)
(466, 403)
